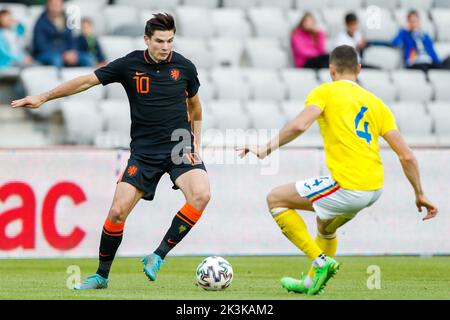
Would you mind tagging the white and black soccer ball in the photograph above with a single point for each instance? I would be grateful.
(214, 274)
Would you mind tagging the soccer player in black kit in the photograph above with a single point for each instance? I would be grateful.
(162, 88)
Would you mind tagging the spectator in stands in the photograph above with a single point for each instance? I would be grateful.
(351, 36)
(12, 53)
(88, 44)
(53, 41)
(417, 45)
(308, 44)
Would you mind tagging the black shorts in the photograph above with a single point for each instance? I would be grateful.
(145, 171)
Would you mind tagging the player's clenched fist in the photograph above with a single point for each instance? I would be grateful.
(31, 102)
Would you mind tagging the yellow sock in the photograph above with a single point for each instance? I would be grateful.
(294, 228)
(329, 246)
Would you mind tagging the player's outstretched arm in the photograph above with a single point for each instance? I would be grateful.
(411, 170)
(289, 132)
(68, 88)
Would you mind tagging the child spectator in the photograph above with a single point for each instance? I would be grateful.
(12, 52)
(417, 45)
(88, 44)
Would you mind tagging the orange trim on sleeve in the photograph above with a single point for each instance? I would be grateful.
(191, 213)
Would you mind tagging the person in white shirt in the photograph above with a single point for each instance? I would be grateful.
(351, 36)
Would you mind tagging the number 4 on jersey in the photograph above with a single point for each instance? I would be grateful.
(363, 134)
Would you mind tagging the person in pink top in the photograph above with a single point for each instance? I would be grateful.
(308, 44)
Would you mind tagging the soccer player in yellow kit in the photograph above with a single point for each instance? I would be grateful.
(351, 119)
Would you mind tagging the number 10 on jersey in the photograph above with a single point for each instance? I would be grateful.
(142, 84)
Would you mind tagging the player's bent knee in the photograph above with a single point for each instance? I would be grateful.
(117, 214)
(200, 199)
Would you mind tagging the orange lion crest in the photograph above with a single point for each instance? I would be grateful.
(175, 74)
(132, 170)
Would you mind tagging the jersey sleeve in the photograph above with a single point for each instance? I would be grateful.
(112, 72)
(388, 121)
(316, 97)
(193, 82)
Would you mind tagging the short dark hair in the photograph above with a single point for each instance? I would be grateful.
(160, 21)
(412, 13)
(350, 18)
(345, 59)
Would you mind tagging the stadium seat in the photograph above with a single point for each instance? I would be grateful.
(231, 114)
(284, 4)
(194, 21)
(379, 83)
(266, 53)
(202, 3)
(425, 22)
(209, 119)
(299, 82)
(311, 5)
(442, 49)
(416, 129)
(115, 91)
(230, 21)
(116, 114)
(378, 24)
(90, 9)
(18, 10)
(383, 57)
(99, 2)
(440, 79)
(22, 135)
(230, 83)
(194, 49)
(226, 52)
(40, 79)
(82, 120)
(292, 108)
(146, 4)
(441, 18)
(116, 47)
(416, 4)
(440, 111)
(405, 109)
(240, 4)
(146, 14)
(441, 4)
(265, 84)
(294, 16)
(412, 85)
(335, 20)
(117, 16)
(207, 89)
(324, 75)
(312, 137)
(95, 93)
(269, 22)
(112, 139)
(388, 4)
(348, 5)
(265, 114)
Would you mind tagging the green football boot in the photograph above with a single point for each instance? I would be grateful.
(322, 275)
(296, 285)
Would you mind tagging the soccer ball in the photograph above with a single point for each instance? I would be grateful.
(214, 274)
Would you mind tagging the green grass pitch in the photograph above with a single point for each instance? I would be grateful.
(255, 278)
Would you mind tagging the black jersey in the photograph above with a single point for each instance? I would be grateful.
(157, 94)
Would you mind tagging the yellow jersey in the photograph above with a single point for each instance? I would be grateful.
(351, 121)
